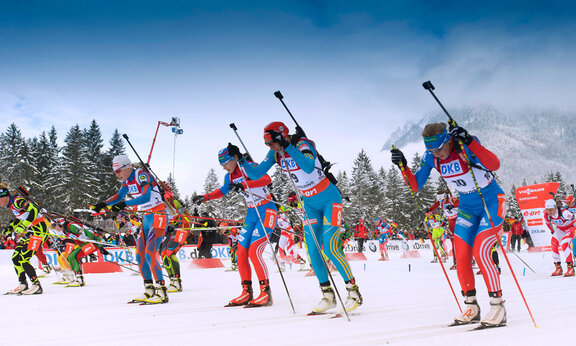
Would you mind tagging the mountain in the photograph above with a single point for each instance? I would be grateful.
(530, 143)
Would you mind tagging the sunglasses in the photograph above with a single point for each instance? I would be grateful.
(435, 150)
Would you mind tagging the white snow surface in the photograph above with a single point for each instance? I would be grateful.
(406, 302)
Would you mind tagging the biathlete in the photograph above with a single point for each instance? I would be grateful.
(384, 230)
(298, 158)
(449, 205)
(435, 222)
(144, 189)
(253, 237)
(33, 228)
(176, 233)
(475, 234)
(561, 223)
(78, 248)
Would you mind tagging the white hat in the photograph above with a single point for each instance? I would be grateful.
(550, 204)
(120, 162)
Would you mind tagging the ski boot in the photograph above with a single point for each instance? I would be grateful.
(19, 289)
(265, 297)
(435, 260)
(149, 291)
(67, 278)
(36, 288)
(175, 285)
(569, 269)
(471, 311)
(282, 266)
(310, 272)
(558, 270)
(302, 264)
(453, 266)
(497, 315)
(328, 300)
(79, 282)
(160, 297)
(46, 269)
(244, 297)
(354, 298)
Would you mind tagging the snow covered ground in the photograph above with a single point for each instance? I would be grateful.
(406, 302)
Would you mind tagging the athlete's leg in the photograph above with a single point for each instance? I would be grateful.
(244, 241)
(555, 245)
(315, 225)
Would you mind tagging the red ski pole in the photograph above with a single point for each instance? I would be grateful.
(425, 226)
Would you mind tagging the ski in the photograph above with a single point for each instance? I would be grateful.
(456, 324)
(250, 306)
(483, 326)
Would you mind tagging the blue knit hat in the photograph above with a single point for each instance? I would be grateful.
(224, 157)
(437, 141)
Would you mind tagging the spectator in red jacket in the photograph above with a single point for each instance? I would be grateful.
(360, 233)
(9, 243)
(516, 234)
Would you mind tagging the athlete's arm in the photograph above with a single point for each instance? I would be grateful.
(305, 158)
(485, 156)
(256, 172)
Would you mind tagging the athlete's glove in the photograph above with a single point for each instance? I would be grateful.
(198, 200)
(460, 134)
(449, 207)
(398, 157)
(99, 206)
(238, 187)
(278, 138)
(234, 151)
(118, 206)
(104, 251)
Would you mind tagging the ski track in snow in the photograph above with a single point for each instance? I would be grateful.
(400, 307)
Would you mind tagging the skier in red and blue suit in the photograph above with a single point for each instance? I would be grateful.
(253, 237)
(146, 195)
(384, 230)
(322, 203)
(475, 234)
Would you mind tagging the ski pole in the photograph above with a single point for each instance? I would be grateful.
(401, 166)
(260, 218)
(526, 264)
(428, 86)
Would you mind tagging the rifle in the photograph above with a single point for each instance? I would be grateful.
(326, 165)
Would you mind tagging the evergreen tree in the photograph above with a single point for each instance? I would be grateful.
(77, 179)
(346, 192)
(52, 169)
(11, 156)
(282, 185)
(211, 184)
(398, 201)
(512, 204)
(110, 183)
(100, 172)
(427, 194)
(365, 189)
(172, 184)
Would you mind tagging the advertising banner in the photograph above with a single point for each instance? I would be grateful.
(531, 200)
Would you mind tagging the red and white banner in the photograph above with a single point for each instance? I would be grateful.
(531, 200)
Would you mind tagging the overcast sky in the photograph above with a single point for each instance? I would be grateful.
(350, 71)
